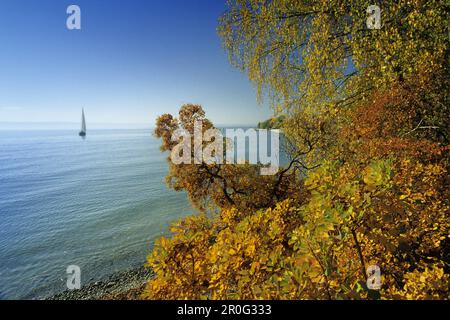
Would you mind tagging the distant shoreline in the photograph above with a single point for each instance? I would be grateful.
(123, 285)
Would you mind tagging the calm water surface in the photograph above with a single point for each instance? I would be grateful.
(98, 203)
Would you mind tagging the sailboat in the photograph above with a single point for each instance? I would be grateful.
(83, 125)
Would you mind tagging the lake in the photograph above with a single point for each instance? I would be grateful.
(98, 203)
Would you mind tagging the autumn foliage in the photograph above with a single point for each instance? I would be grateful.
(368, 181)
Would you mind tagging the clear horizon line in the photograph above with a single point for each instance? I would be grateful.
(103, 123)
(68, 122)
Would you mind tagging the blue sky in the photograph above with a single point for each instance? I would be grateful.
(131, 61)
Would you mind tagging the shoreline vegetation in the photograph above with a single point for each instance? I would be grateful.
(361, 211)
(122, 285)
(272, 123)
(129, 284)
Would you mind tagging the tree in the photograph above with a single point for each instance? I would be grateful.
(382, 201)
(216, 185)
(368, 184)
(319, 57)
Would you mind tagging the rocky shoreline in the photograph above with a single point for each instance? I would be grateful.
(125, 285)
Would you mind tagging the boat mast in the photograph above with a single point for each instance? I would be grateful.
(83, 121)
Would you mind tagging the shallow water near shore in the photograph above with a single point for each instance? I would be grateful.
(98, 203)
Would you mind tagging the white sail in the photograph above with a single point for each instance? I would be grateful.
(83, 122)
